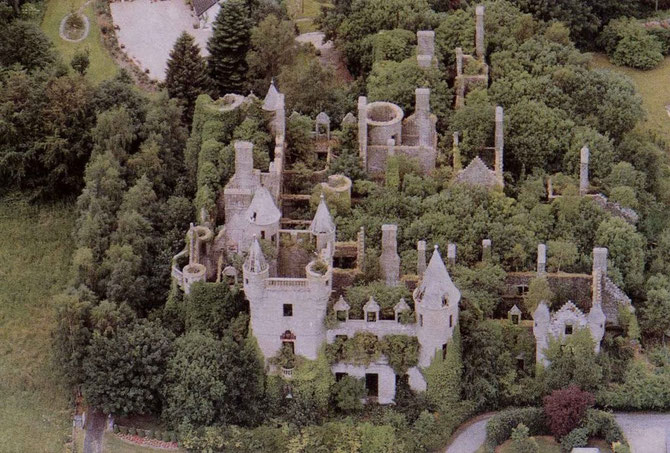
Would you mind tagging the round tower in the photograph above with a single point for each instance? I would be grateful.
(255, 271)
(323, 227)
(436, 303)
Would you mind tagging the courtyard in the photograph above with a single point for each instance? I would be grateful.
(148, 30)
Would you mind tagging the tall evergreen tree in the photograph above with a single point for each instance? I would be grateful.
(186, 75)
(228, 47)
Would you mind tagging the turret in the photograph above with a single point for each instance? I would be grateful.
(436, 304)
(255, 270)
(263, 216)
(322, 226)
(274, 102)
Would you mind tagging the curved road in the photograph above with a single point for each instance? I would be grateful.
(646, 432)
(469, 437)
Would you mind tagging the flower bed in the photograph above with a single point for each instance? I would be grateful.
(147, 442)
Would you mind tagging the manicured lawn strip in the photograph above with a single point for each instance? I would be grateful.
(35, 251)
(653, 86)
(102, 65)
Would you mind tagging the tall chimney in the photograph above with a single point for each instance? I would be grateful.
(499, 145)
(244, 163)
(600, 260)
(456, 151)
(479, 32)
(426, 47)
(363, 130)
(541, 259)
(459, 61)
(486, 250)
(389, 260)
(584, 171)
(422, 112)
(421, 258)
(451, 254)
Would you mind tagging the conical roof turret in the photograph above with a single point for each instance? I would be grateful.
(272, 99)
(262, 211)
(255, 261)
(437, 289)
(322, 222)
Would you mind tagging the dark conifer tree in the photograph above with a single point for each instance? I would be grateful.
(228, 48)
(186, 75)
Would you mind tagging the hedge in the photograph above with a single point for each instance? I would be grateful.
(500, 426)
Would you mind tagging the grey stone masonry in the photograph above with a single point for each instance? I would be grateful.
(600, 260)
(389, 260)
(541, 259)
(426, 47)
(451, 254)
(479, 32)
(486, 250)
(499, 145)
(421, 258)
(584, 171)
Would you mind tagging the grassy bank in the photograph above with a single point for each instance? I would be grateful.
(102, 65)
(305, 11)
(654, 88)
(35, 254)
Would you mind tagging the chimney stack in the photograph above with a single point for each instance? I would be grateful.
(499, 145)
(422, 112)
(244, 163)
(389, 260)
(421, 258)
(363, 130)
(486, 250)
(584, 171)
(479, 32)
(541, 259)
(451, 254)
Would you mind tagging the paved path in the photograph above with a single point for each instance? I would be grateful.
(469, 437)
(646, 432)
(95, 428)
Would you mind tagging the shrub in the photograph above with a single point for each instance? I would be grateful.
(116, 428)
(521, 442)
(565, 409)
(401, 351)
(578, 437)
(603, 425)
(628, 43)
(123, 429)
(499, 427)
(348, 394)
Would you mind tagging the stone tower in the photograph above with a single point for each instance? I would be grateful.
(436, 304)
(322, 226)
(389, 259)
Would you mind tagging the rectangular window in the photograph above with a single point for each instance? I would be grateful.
(515, 319)
(289, 345)
(521, 290)
(421, 320)
(339, 376)
(444, 351)
(341, 338)
(288, 309)
(568, 329)
(451, 320)
(262, 234)
(372, 384)
(372, 316)
(341, 315)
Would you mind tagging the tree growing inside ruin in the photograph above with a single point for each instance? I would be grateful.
(228, 48)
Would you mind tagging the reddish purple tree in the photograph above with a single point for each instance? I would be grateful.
(565, 409)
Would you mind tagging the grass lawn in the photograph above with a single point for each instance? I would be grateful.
(35, 254)
(547, 444)
(305, 11)
(653, 86)
(102, 65)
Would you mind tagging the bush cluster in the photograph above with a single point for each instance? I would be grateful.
(628, 43)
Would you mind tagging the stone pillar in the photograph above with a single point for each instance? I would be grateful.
(499, 145)
(459, 61)
(451, 254)
(363, 130)
(421, 258)
(426, 48)
(584, 171)
(541, 259)
(422, 113)
(600, 260)
(360, 252)
(389, 260)
(244, 163)
(486, 250)
(280, 117)
(479, 32)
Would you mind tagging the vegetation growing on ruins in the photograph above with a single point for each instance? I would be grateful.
(143, 168)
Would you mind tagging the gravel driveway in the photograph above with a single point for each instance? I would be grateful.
(149, 29)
